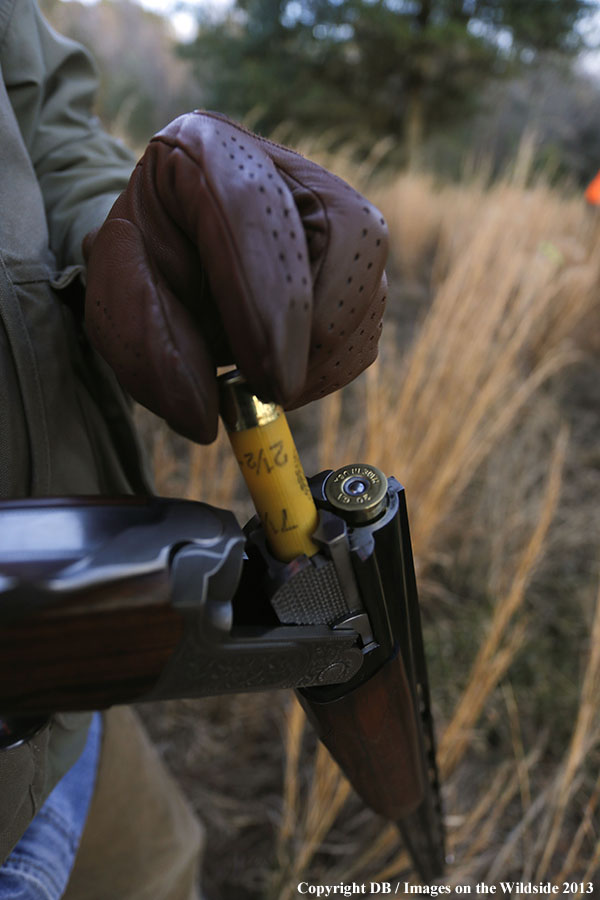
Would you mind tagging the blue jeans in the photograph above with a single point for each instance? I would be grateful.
(40, 865)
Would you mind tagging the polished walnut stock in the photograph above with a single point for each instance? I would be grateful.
(104, 646)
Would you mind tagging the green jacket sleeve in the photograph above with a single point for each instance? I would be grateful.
(51, 83)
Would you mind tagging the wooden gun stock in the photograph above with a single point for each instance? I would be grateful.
(106, 645)
(372, 735)
(113, 601)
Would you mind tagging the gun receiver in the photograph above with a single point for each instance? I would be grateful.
(122, 600)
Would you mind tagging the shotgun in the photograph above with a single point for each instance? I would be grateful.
(129, 599)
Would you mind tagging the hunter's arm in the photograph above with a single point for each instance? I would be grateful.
(51, 82)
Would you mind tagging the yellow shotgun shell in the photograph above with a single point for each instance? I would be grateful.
(268, 459)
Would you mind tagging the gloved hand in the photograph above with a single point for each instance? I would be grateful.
(224, 248)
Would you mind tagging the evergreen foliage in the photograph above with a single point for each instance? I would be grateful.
(366, 69)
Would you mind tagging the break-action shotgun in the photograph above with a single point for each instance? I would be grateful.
(127, 599)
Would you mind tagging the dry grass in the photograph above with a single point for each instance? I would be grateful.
(470, 415)
(503, 639)
(499, 326)
(586, 734)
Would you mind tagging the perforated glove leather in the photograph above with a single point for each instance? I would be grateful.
(226, 247)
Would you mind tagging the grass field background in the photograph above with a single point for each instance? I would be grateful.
(485, 404)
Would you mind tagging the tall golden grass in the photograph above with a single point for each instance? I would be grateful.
(513, 272)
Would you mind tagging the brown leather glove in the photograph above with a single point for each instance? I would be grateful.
(224, 248)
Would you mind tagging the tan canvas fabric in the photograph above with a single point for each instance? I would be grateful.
(142, 840)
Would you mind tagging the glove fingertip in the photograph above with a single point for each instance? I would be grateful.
(201, 429)
(277, 370)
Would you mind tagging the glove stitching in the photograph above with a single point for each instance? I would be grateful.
(263, 140)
